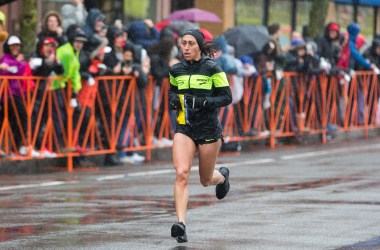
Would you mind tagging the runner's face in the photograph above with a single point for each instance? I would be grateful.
(190, 48)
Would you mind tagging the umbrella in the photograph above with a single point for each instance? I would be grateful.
(247, 39)
(207, 34)
(195, 15)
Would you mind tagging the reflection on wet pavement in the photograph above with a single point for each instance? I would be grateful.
(83, 207)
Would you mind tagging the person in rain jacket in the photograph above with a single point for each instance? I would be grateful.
(143, 33)
(93, 29)
(356, 59)
(68, 55)
(373, 52)
(13, 64)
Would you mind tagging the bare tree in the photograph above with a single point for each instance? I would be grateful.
(29, 20)
(318, 13)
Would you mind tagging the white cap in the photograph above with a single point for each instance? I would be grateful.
(13, 40)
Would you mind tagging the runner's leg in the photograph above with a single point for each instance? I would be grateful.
(183, 153)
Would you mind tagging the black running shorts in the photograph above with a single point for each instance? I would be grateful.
(200, 136)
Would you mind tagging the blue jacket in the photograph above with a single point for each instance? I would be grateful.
(141, 34)
(355, 58)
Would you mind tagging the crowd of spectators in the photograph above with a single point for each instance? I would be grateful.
(79, 45)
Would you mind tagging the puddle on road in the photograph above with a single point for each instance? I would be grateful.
(301, 185)
(42, 214)
(85, 210)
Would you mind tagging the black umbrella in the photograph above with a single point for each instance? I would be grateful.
(247, 39)
(2, 2)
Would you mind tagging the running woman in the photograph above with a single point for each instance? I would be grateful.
(198, 88)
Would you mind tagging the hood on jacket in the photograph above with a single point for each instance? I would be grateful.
(222, 43)
(93, 16)
(138, 30)
(353, 30)
(375, 44)
(113, 32)
(41, 43)
(331, 26)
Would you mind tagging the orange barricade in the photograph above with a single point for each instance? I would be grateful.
(115, 115)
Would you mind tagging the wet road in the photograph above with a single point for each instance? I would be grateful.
(309, 197)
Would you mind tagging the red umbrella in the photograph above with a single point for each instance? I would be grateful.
(194, 15)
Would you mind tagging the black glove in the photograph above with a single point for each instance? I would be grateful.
(174, 102)
(194, 102)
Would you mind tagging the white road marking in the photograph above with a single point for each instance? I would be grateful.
(153, 172)
(327, 152)
(110, 177)
(44, 184)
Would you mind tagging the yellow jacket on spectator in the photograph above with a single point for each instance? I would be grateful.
(70, 61)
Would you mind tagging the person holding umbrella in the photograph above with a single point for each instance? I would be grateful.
(198, 88)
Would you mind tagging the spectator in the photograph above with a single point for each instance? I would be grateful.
(304, 62)
(163, 55)
(12, 63)
(44, 63)
(373, 53)
(112, 62)
(357, 61)
(274, 36)
(301, 60)
(130, 68)
(139, 52)
(329, 46)
(329, 50)
(119, 61)
(52, 27)
(113, 58)
(223, 58)
(94, 30)
(74, 13)
(310, 43)
(143, 33)
(68, 55)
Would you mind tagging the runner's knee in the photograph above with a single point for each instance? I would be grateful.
(182, 175)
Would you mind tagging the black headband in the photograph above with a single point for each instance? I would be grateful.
(197, 34)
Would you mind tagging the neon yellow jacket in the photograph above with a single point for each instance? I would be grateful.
(70, 61)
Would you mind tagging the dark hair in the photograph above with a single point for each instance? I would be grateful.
(209, 49)
(128, 47)
(162, 48)
(273, 28)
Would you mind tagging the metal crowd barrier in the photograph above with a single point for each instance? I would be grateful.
(115, 114)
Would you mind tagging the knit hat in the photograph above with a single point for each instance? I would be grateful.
(197, 34)
(298, 44)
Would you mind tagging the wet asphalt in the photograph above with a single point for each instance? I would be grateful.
(310, 197)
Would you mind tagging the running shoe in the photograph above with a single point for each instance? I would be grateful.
(179, 232)
(223, 188)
